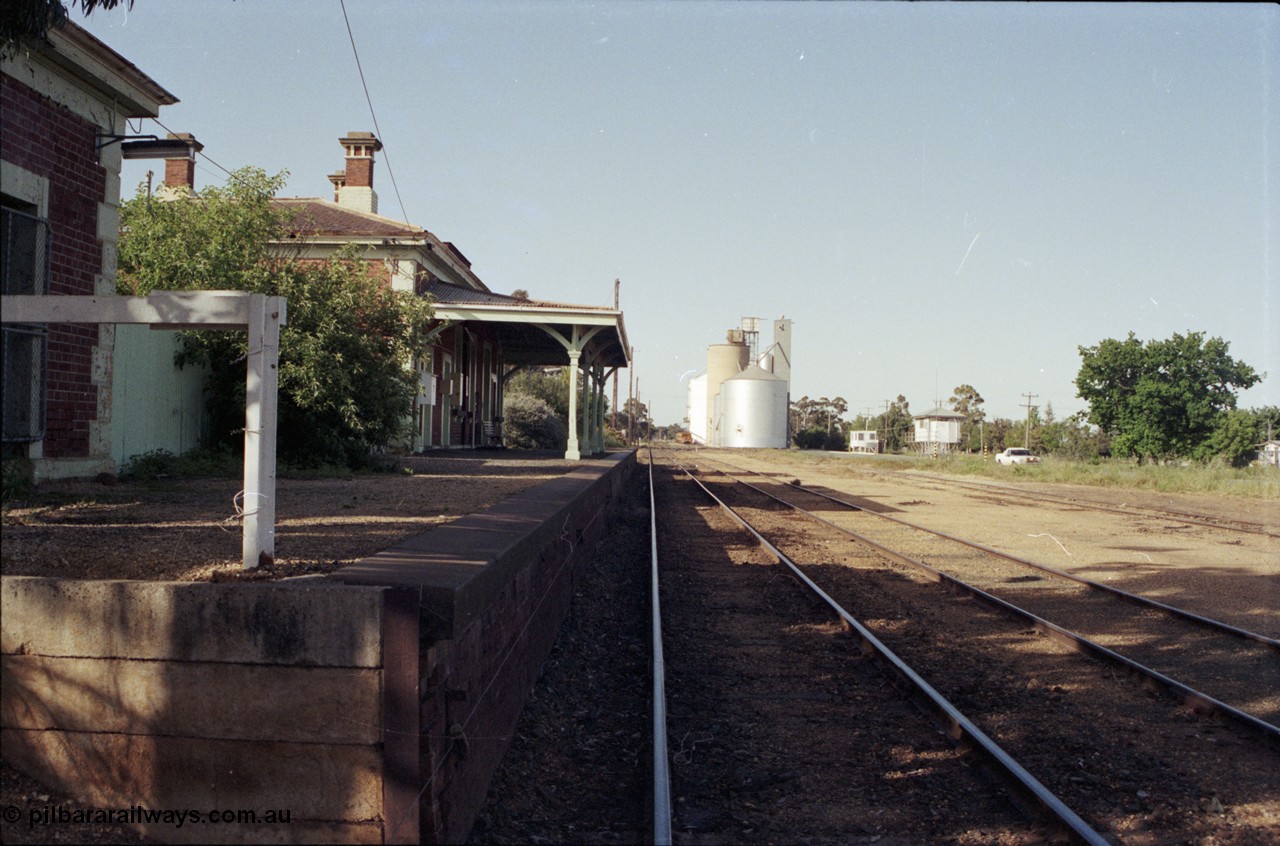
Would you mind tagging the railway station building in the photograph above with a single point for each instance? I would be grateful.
(480, 339)
(65, 103)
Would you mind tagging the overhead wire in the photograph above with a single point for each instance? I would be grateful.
(386, 156)
(201, 154)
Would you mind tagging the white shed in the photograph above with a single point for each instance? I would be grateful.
(937, 430)
(864, 440)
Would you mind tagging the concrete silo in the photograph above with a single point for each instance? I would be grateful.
(723, 362)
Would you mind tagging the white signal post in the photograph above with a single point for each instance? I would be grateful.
(261, 315)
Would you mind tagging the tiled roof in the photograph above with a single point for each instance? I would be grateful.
(321, 217)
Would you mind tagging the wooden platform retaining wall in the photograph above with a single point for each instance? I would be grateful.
(371, 706)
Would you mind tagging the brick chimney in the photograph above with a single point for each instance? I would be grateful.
(339, 180)
(181, 173)
(355, 190)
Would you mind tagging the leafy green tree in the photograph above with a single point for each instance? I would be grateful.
(634, 417)
(549, 385)
(1162, 398)
(800, 412)
(1003, 433)
(26, 20)
(966, 400)
(897, 425)
(1234, 439)
(345, 385)
(220, 240)
(824, 412)
(1268, 419)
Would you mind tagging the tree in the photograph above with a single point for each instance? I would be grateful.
(966, 400)
(1235, 439)
(634, 418)
(30, 20)
(897, 425)
(1162, 398)
(824, 413)
(550, 386)
(345, 385)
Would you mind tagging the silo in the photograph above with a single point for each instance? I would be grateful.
(754, 410)
(723, 361)
(698, 408)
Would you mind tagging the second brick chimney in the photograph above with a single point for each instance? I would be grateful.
(355, 189)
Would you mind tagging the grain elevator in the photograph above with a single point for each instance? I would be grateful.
(742, 398)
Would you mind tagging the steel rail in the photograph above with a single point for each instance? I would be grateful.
(1135, 598)
(661, 766)
(959, 727)
(1183, 516)
(1194, 699)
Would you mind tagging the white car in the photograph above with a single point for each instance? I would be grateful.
(1017, 455)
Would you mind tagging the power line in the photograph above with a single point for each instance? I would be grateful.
(386, 156)
(201, 154)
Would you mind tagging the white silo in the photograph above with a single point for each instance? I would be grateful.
(754, 410)
(698, 408)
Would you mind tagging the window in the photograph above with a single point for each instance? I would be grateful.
(24, 266)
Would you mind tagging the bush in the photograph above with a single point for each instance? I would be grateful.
(220, 462)
(18, 480)
(530, 423)
(818, 438)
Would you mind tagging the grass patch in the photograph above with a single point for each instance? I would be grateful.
(1192, 477)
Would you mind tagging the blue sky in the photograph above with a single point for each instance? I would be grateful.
(935, 193)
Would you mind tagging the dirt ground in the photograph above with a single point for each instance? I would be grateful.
(190, 529)
(172, 529)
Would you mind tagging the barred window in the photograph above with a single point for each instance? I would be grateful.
(24, 269)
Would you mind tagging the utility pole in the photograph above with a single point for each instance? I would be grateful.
(1027, 440)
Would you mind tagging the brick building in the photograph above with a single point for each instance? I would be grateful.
(482, 337)
(64, 103)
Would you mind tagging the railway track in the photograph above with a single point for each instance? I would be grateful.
(780, 728)
(1215, 667)
(1127, 763)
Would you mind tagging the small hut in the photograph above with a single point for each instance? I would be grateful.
(937, 431)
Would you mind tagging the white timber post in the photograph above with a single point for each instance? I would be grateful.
(262, 380)
(572, 453)
(261, 315)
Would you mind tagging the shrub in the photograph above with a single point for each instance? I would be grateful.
(528, 422)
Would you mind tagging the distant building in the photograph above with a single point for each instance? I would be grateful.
(1269, 453)
(937, 431)
(864, 441)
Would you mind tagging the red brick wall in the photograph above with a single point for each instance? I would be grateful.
(50, 141)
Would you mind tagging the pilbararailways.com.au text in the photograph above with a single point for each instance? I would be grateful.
(52, 815)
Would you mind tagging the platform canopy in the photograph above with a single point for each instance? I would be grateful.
(537, 332)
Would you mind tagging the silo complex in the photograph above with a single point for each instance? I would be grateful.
(754, 410)
(741, 402)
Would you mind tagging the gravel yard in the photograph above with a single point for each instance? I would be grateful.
(587, 709)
